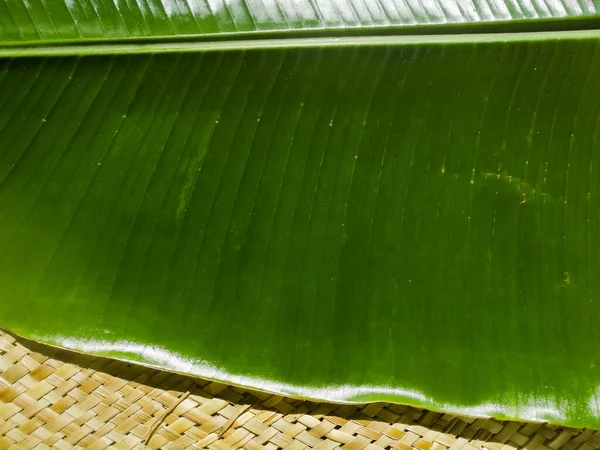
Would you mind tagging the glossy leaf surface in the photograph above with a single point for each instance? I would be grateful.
(404, 223)
(40, 21)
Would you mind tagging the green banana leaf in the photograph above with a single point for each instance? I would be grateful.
(378, 217)
(41, 21)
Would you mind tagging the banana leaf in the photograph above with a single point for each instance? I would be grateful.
(67, 21)
(352, 218)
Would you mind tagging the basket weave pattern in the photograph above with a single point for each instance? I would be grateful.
(51, 398)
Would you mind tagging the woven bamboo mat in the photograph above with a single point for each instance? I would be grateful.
(52, 398)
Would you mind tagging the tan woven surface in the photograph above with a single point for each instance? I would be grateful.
(52, 398)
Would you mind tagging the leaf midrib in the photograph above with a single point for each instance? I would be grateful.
(291, 43)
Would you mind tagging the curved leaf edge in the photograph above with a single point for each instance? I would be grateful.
(161, 359)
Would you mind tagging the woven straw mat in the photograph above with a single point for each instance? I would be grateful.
(51, 398)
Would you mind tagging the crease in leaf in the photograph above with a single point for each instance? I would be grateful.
(292, 43)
